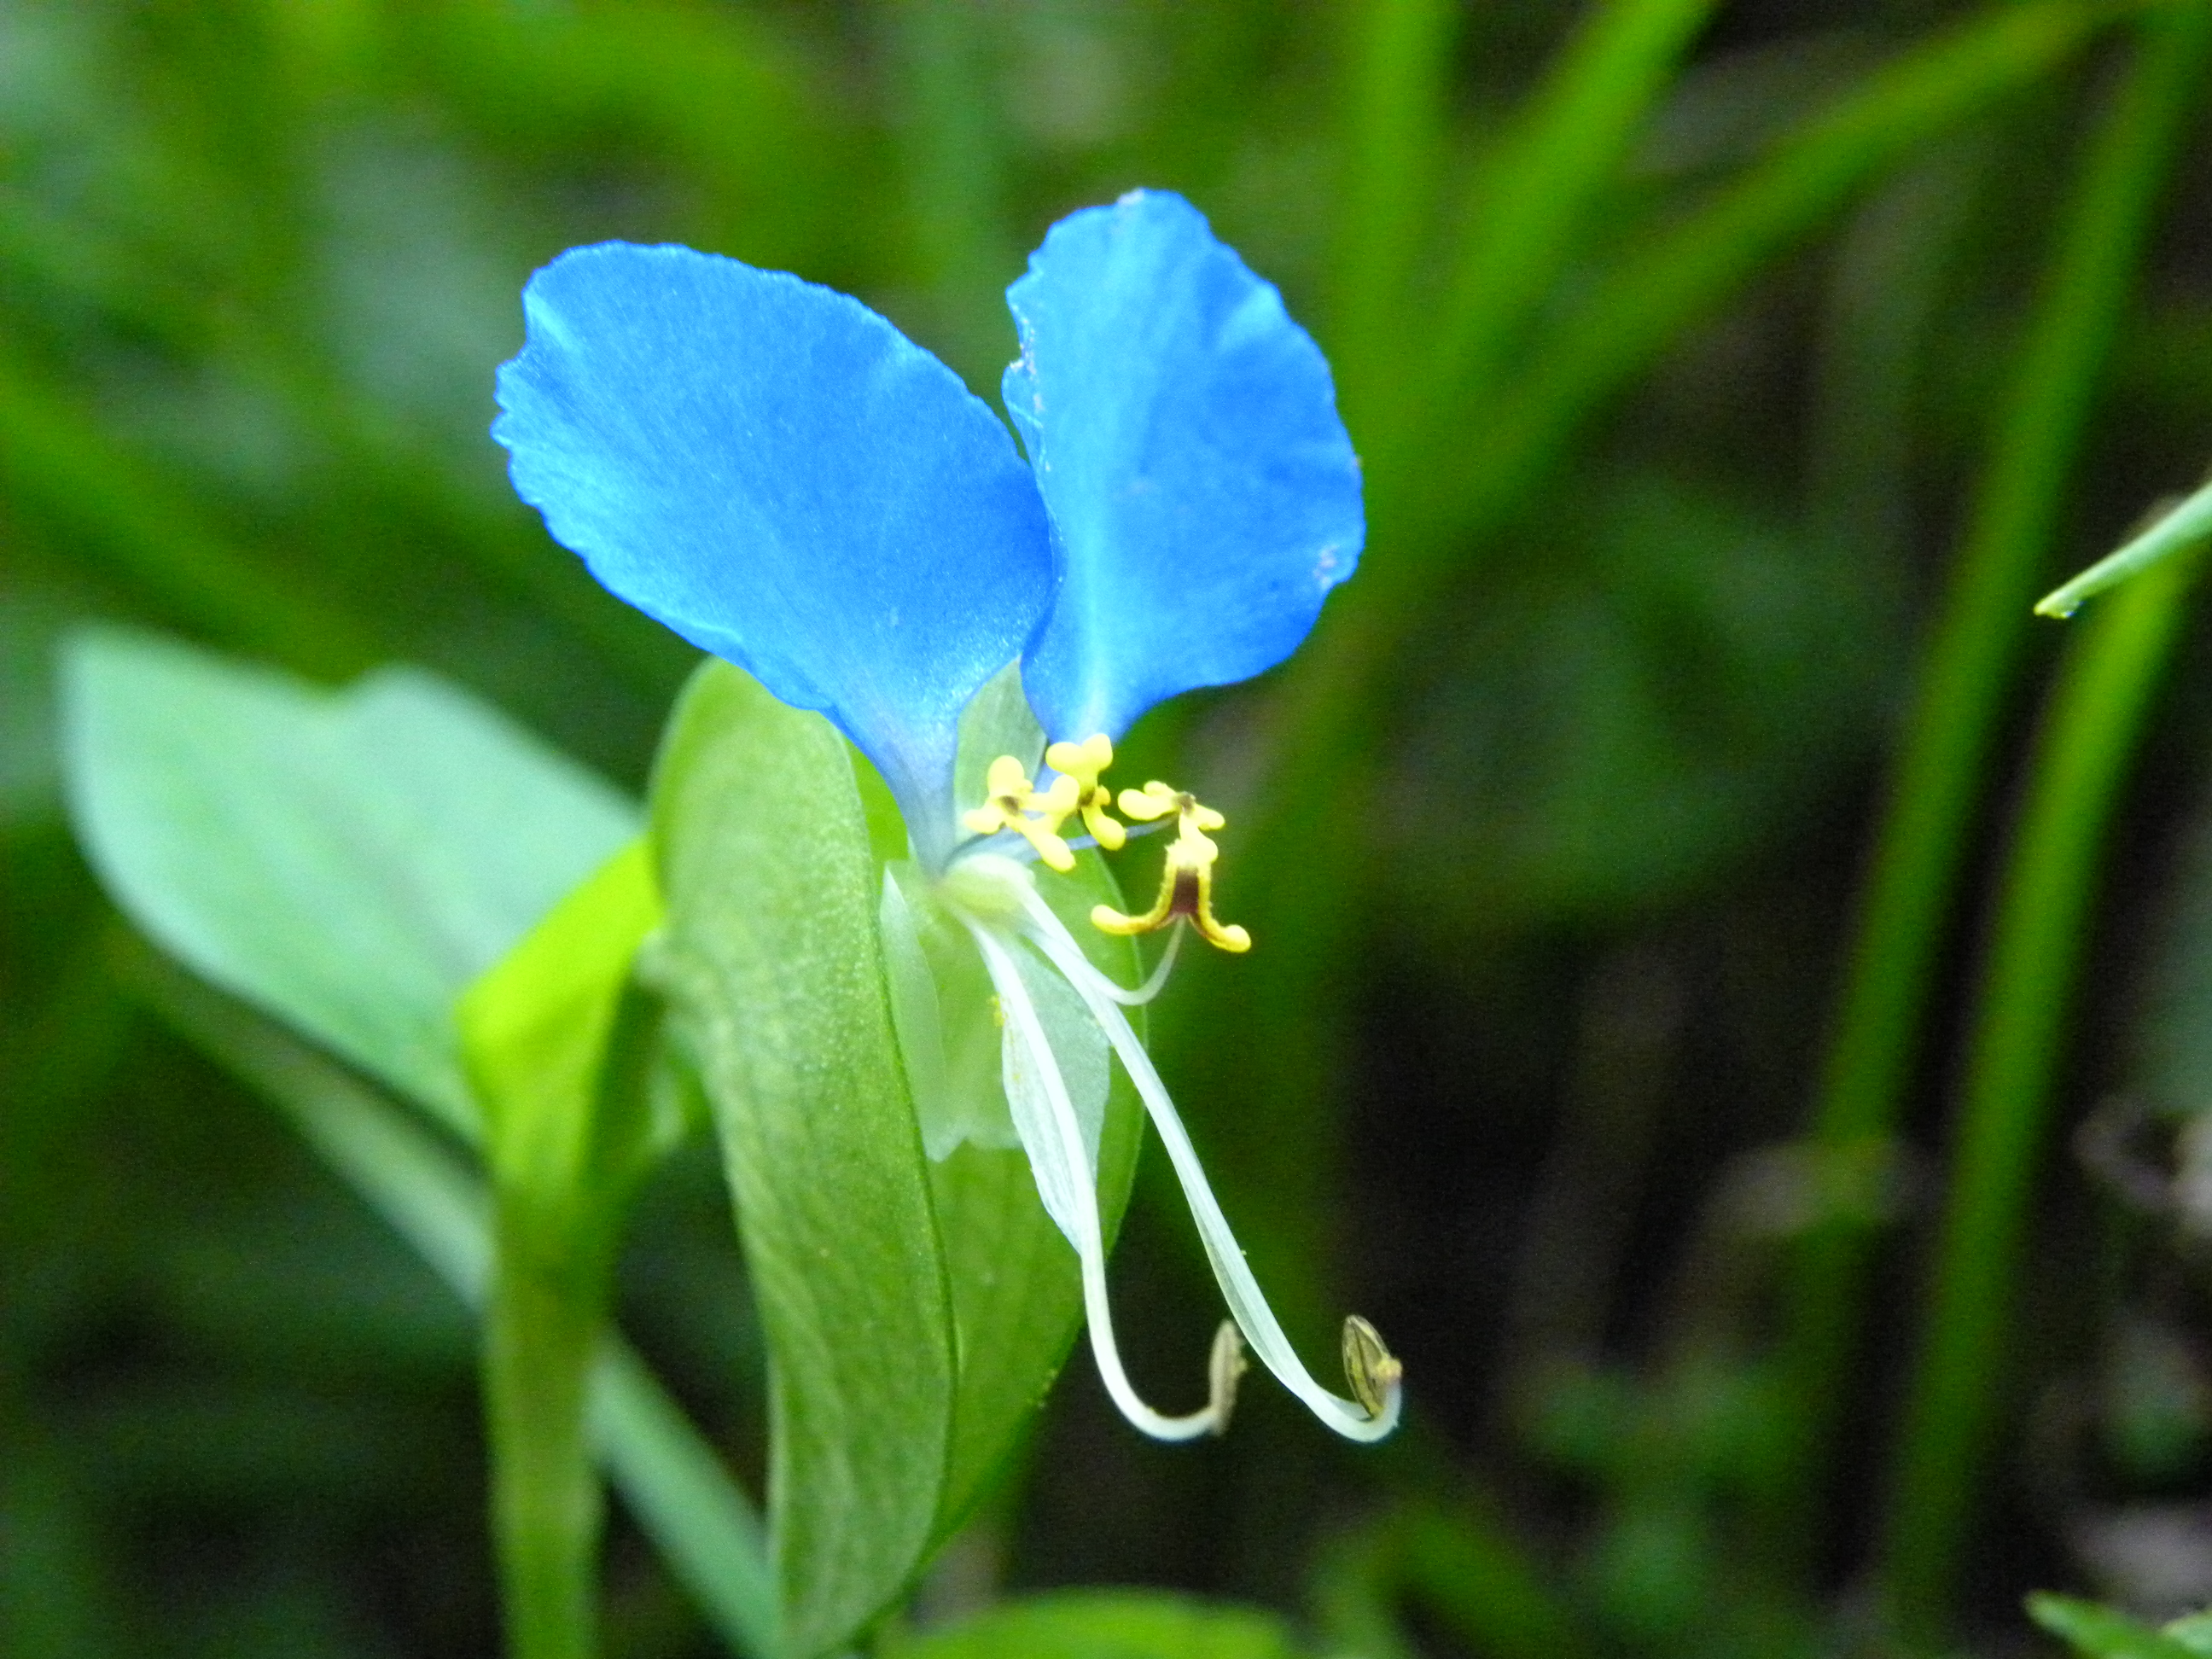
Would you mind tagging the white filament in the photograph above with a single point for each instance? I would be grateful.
(1076, 1189)
(1248, 1305)
(1153, 981)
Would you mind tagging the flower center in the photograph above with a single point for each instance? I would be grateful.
(1013, 802)
(995, 899)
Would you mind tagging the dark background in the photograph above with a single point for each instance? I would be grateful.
(1622, 766)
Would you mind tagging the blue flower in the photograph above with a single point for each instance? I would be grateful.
(776, 473)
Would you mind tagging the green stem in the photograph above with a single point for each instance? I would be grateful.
(667, 1471)
(2042, 923)
(1971, 667)
(566, 1150)
(544, 1327)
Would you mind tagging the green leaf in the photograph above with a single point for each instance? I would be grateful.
(2101, 1632)
(347, 861)
(917, 1311)
(2182, 526)
(1112, 1625)
(771, 959)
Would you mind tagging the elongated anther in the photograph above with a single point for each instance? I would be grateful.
(1156, 800)
(1224, 1366)
(1186, 894)
(1372, 1371)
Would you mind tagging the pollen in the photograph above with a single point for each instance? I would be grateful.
(1187, 881)
(1011, 801)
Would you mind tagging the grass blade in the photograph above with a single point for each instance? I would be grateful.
(2041, 929)
(2184, 526)
(1976, 646)
(1539, 186)
(1394, 97)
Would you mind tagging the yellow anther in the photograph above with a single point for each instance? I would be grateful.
(1011, 802)
(1082, 763)
(1186, 881)
(1156, 801)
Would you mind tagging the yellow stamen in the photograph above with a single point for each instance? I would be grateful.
(1186, 880)
(1083, 762)
(1156, 801)
(1011, 802)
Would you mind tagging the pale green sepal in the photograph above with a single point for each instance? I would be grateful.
(770, 956)
(952, 1035)
(1080, 1053)
(914, 1018)
(940, 1001)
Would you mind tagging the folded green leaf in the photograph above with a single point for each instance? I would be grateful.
(916, 1309)
(347, 861)
(536, 1029)
(771, 958)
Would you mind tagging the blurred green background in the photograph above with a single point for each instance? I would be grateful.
(1731, 379)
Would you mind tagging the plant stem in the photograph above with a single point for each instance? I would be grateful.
(545, 1325)
(1971, 666)
(2089, 733)
(668, 1471)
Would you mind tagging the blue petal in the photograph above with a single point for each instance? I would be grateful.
(1204, 494)
(779, 475)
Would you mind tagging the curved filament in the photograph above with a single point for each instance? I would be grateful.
(1155, 982)
(1373, 1373)
(1080, 1197)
